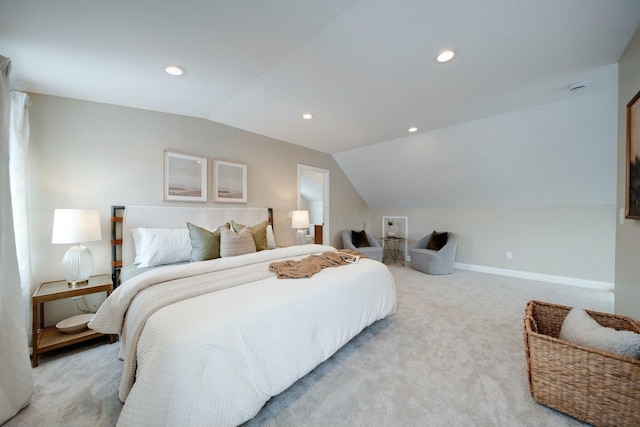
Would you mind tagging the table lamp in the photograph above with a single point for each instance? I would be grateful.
(300, 220)
(76, 226)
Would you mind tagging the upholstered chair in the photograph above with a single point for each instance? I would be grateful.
(431, 261)
(373, 251)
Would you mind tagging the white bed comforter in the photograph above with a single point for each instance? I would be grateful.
(215, 359)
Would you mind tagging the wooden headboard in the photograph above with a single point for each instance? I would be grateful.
(170, 217)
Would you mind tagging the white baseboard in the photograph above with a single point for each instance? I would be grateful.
(591, 284)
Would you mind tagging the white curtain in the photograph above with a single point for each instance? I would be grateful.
(16, 382)
(18, 150)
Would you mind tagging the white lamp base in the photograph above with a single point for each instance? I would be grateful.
(301, 236)
(77, 266)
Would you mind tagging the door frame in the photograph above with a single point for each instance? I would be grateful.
(326, 209)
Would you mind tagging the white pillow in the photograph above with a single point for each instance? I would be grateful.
(137, 244)
(233, 244)
(583, 329)
(159, 246)
(271, 240)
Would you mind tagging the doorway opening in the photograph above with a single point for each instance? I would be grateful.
(313, 196)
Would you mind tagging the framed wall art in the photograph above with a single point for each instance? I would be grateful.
(633, 159)
(230, 184)
(185, 177)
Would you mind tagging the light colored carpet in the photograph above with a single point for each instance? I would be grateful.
(452, 355)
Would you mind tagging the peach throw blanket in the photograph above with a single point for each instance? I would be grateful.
(311, 265)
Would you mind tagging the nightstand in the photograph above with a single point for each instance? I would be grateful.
(50, 338)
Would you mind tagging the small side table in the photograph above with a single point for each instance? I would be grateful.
(50, 338)
(392, 246)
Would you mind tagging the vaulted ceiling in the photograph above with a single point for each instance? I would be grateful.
(365, 69)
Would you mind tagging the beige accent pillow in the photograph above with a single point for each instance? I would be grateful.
(234, 244)
(259, 232)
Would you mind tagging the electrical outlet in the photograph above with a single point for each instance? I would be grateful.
(508, 255)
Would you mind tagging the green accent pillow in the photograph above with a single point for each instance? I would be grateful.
(205, 244)
(437, 241)
(259, 232)
(260, 235)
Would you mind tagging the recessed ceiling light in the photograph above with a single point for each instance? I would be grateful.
(413, 129)
(175, 70)
(307, 116)
(445, 56)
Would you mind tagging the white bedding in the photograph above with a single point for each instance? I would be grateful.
(215, 359)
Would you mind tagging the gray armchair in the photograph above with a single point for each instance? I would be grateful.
(373, 251)
(431, 261)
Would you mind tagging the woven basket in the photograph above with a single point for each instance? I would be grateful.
(594, 386)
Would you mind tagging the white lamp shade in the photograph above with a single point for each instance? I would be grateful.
(76, 226)
(300, 219)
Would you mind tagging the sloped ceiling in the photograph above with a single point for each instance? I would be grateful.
(562, 153)
(367, 72)
(365, 69)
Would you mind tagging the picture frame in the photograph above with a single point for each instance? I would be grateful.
(632, 189)
(184, 177)
(230, 184)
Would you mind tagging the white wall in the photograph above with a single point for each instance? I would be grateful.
(627, 269)
(91, 155)
(568, 242)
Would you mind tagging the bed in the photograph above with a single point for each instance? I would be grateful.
(210, 342)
